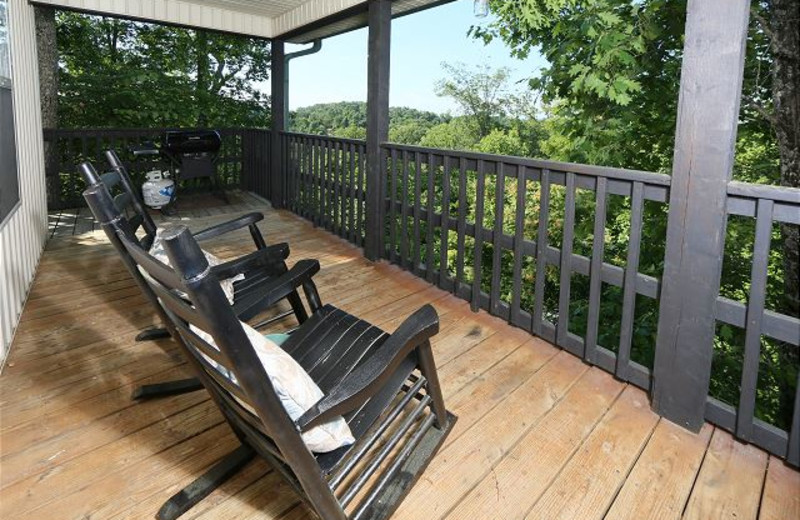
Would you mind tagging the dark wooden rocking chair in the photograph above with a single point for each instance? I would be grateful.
(385, 387)
(251, 296)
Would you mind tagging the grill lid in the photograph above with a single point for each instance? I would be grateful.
(191, 141)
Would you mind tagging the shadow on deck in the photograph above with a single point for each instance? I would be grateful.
(540, 434)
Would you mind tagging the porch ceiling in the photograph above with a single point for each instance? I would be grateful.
(298, 20)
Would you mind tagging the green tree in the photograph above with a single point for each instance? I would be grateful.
(459, 134)
(610, 92)
(350, 132)
(502, 142)
(482, 94)
(120, 73)
(611, 78)
(408, 133)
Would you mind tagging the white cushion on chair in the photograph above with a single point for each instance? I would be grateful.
(157, 251)
(294, 387)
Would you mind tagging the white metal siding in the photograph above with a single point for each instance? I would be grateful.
(181, 12)
(23, 233)
(310, 11)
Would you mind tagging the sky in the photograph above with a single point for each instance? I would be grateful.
(420, 43)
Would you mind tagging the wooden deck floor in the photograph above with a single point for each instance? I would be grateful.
(539, 435)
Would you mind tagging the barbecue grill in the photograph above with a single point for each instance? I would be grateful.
(192, 152)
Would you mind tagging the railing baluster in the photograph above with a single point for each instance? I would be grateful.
(393, 208)
(541, 254)
(417, 202)
(309, 179)
(362, 164)
(497, 235)
(337, 186)
(755, 314)
(429, 271)
(404, 252)
(565, 276)
(352, 193)
(477, 263)
(333, 200)
(302, 156)
(793, 450)
(519, 238)
(341, 160)
(596, 270)
(445, 229)
(318, 183)
(629, 283)
(330, 200)
(462, 224)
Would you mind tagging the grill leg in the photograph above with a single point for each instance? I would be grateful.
(189, 496)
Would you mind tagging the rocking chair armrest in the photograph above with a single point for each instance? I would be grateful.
(271, 255)
(249, 219)
(363, 382)
(301, 274)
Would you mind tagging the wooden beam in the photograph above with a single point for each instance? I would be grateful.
(380, 18)
(708, 111)
(276, 172)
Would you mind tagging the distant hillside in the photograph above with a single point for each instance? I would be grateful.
(350, 117)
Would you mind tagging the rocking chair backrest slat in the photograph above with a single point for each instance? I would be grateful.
(219, 378)
(153, 267)
(269, 429)
(127, 186)
(192, 275)
(201, 346)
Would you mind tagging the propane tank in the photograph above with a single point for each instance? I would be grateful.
(158, 190)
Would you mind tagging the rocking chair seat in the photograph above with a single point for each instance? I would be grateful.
(329, 347)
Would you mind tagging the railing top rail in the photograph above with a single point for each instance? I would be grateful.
(646, 177)
(764, 191)
(110, 130)
(326, 138)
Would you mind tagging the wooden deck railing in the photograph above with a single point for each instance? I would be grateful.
(242, 160)
(514, 236)
(325, 182)
(465, 222)
(768, 205)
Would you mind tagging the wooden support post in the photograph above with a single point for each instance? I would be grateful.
(708, 112)
(380, 24)
(276, 171)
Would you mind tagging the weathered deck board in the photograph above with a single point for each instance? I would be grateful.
(781, 497)
(540, 434)
(730, 481)
(660, 483)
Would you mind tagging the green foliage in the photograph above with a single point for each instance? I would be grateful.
(408, 133)
(610, 93)
(483, 94)
(350, 132)
(459, 134)
(502, 142)
(120, 73)
(610, 86)
(324, 118)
